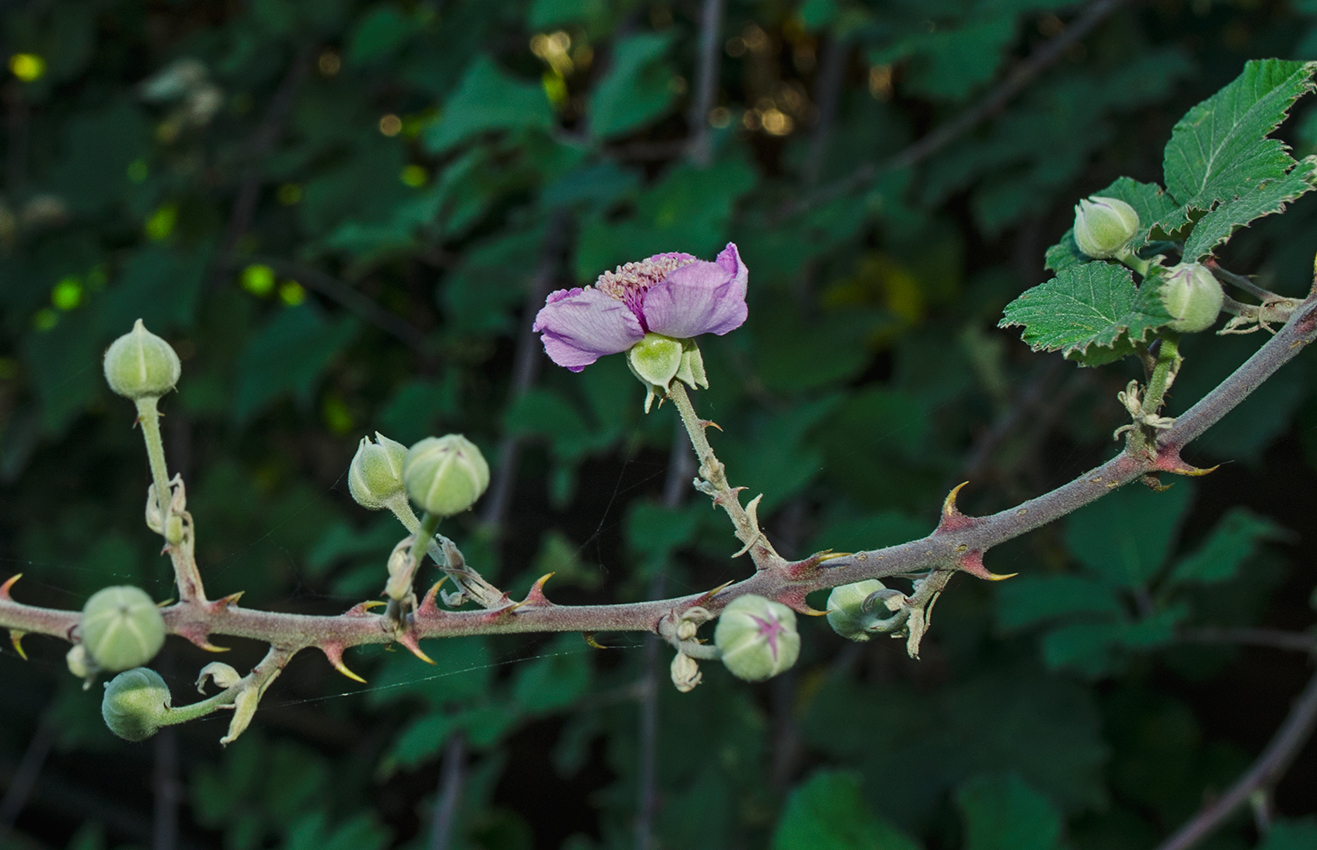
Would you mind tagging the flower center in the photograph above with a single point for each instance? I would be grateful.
(628, 283)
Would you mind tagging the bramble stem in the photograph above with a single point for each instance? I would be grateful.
(790, 584)
(715, 485)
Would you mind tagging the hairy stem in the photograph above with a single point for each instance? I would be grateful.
(714, 476)
(786, 582)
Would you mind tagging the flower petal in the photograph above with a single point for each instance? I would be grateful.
(581, 325)
(699, 298)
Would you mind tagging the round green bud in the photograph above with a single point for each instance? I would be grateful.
(846, 612)
(1193, 296)
(121, 628)
(375, 476)
(655, 359)
(140, 364)
(1103, 226)
(757, 637)
(445, 475)
(135, 704)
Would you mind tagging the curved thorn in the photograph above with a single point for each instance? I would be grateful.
(16, 638)
(342, 668)
(409, 640)
(949, 503)
(589, 639)
(4, 588)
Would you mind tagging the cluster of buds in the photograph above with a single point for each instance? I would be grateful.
(1104, 229)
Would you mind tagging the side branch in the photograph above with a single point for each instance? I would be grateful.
(955, 545)
(1261, 775)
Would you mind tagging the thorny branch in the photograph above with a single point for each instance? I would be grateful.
(957, 544)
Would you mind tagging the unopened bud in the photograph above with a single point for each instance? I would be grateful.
(135, 704)
(1103, 226)
(846, 612)
(757, 637)
(121, 628)
(445, 475)
(140, 364)
(685, 673)
(375, 476)
(1193, 296)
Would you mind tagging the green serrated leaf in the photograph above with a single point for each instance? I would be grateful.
(1033, 599)
(1220, 150)
(1126, 537)
(1064, 254)
(1086, 305)
(1003, 813)
(827, 812)
(636, 89)
(488, 99)
(1269, 197)
(1234, 540)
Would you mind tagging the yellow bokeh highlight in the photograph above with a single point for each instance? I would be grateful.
(27, 66)
(258, 280)
(336, 415)
(415, 176)
(292, 293)
(390, 125)
(161, 223)
(67, 294)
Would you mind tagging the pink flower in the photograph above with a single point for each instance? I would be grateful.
(674, 295)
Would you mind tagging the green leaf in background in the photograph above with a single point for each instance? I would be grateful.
(1219, 150)
(1032, 599)
(301, 343)
(1094, 304)
(98, 148)
(160, 285)
(487, 99)
(1270, 196)
(379, 34)
(1233, 541)
(827, 812)
(1090, 648)
(1126, 536)
(556, 677)
(1291, 835)
(637, 89)
(1003, 813)
(951, 63)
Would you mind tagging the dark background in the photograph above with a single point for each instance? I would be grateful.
(343, 215)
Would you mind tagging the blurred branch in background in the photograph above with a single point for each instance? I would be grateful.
(1015, 81)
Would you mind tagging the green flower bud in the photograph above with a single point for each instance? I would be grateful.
(375, 476)
(445, 475)
(846, 612)
(1193, 296)
(140, 364)
(121, 628)
(757, 637)
(1103, 226)
(135, 704)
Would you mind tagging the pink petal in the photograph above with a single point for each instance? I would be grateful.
(579, 326)
(699, 298)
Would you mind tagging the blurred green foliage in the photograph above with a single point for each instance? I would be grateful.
(344, 215)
